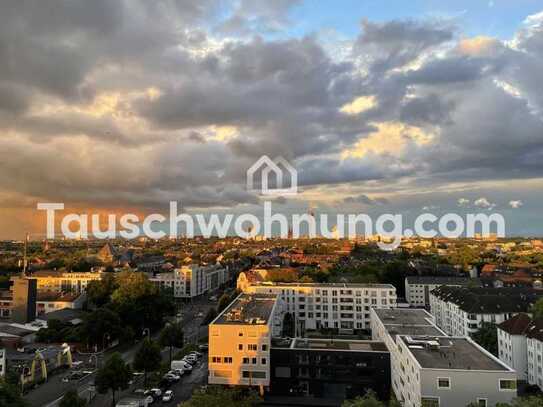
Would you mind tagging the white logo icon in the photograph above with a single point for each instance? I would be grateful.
(278, 166)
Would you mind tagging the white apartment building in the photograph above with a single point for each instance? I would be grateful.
(512, 346)
(418, 288)
(520, 344)
(240, 341)
(430, 369)
(192, 281)
(460, 311)
(335, 305)
(534, 342)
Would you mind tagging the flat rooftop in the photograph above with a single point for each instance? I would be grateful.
(330, 285)
(248, 309)
(450, 353)
(399, 321)
(334, 344)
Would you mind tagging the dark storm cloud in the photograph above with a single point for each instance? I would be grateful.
(179, 82)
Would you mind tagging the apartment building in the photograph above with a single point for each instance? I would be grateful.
(193, 280)
(429, 368)
(60, 281)
(520, 344)
(240, 340)
(326, 368)
(345, 307)
(460, 311)
(44, 302)
(512, 346)
(418, 288)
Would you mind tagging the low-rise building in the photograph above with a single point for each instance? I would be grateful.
(240, 340)
(460, 311)
(418, 288)
(342, 306)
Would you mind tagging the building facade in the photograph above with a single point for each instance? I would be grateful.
(240, 341)
(315, 306)
(325, 368)
(460, 311)
(520, 344)
(58, 281)
(431, 369)
(193, 281)
(418, 288)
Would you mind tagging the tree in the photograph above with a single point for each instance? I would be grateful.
(132, 286)
(224, 301)
(172, 336)
(531, 401)
(487, 337)
(99, 291)
(72, 399)
(148, 358)
(288, 325)
(224, 397)
(369, 400)
(100, 325)
(114, 376)
(537, 309)
(10, 395)
(210, 316)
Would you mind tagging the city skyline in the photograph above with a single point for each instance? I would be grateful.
(122, 107)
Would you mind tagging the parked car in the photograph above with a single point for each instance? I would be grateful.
(203, 348)
(168, 396)
(195, 353)
(156, 392)
(172, 377)
(180, 364)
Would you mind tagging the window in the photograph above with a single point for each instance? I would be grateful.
(264, 348)
(252, 346)
(263, 361)
(227, 360)
(508, 384)
(481, 402)
(443, 383)
(254, 375)
(222, 373)
(240, 346)
(216, 359)
(253, 361)
(430, 402)
(245, 361)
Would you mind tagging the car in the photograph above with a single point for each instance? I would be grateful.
(149, 400)
(195, 353)
(190, 361)
(77, 364)
(203, 348)
(156, 392)
(200, 314)
(168, 396)
(180, 371)
(193, 358)
(171, 377)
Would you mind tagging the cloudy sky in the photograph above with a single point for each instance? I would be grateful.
(404, 107)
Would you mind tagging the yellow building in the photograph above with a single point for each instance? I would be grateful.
(240, 341)
(59, 281)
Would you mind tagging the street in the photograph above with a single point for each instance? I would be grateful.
(50, 393)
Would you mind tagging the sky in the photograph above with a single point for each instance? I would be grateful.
(382, 106)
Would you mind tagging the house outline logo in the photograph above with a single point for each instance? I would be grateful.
(272, 166)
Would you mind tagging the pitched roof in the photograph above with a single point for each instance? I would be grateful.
(535, 330)
(489, 300)
(516, 325)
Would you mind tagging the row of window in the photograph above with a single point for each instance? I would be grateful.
(253, 347)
